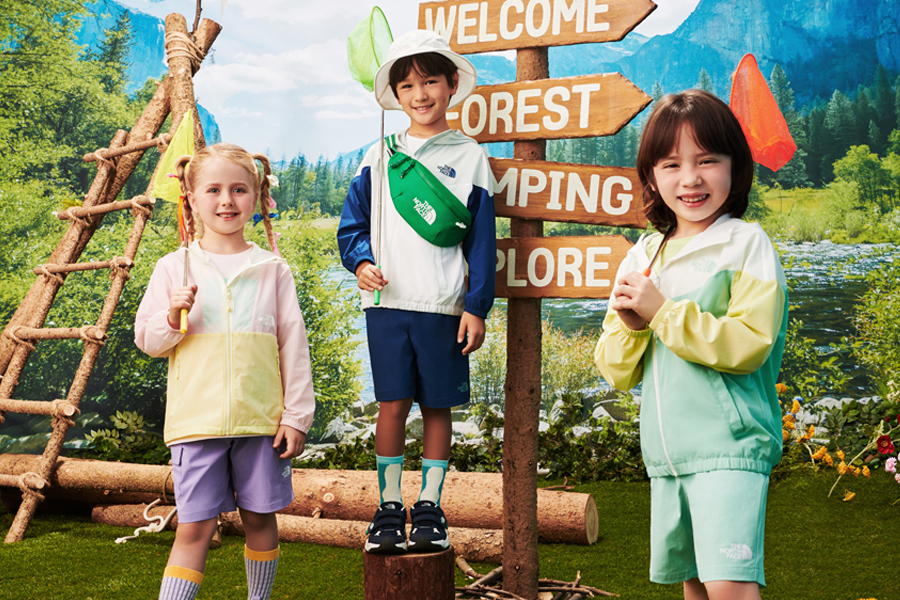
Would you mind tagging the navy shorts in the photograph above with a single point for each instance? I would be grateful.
(415, 355)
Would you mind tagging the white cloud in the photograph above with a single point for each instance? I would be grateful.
(341, 115)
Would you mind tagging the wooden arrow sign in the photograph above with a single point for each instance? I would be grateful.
(508, 24)
(553, 191)
(569, 107)
(559, 267)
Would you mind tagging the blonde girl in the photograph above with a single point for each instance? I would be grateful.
(240, 396)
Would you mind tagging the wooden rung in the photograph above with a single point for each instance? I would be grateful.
(107, 153)
(32, 480)
(89, 333)
(88, 266)
(31, 407)
(79, 212)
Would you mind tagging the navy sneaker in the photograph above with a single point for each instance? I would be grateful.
(429, 528)
(387, 531)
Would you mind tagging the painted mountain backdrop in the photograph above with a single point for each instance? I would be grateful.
(823, 46)
(146, 56)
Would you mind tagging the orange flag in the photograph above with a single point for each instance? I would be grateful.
(763, 124)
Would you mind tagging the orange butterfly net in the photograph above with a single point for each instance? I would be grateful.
(761, 119)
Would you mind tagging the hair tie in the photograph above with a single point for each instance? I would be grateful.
(258, 217)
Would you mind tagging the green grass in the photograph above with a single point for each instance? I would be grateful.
(817, 548)
(784, 200)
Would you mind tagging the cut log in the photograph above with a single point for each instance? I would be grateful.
(469, 500)
(419, 576)
(473, 500)
(477, 545)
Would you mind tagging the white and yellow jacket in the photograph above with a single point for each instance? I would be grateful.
(243, 367)
(710, 358)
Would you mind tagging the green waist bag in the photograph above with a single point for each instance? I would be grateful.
(432, 210)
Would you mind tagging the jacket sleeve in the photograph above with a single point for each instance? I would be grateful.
(619, 354)
(480, 251)
(354, 231)
(740, 341)
(294, 357)
(152, 333)
(480, 246)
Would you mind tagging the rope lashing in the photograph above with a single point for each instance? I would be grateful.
(29, 490)
(59, 412)
(92, 334)
(180, 45)
(102, 160)
(11, 334)
(45, 271)
(119, 265)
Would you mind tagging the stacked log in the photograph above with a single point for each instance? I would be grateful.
(330, 506)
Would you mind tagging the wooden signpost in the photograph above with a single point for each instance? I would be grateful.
(559, 267)
(570, 107)
(529, 190)
(567, 192)
(489, 25)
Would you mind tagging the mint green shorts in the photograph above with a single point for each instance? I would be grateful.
(709, 526)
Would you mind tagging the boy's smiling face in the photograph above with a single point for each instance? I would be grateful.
(425, 100)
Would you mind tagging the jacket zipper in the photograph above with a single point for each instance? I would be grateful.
(228, 360)
(662, 437)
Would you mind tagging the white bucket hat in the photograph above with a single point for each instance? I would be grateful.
(420, 41)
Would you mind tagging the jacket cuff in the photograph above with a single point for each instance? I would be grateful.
(661, 314)
(478, 309)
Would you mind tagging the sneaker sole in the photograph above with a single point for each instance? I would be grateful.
(386, 548)
(428, 546)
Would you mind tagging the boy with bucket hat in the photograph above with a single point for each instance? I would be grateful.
(431, 228)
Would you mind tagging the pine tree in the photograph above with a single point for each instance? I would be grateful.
(705, 82)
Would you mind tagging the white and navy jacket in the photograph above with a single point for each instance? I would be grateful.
(423, 277)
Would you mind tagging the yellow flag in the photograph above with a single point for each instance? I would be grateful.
(165, 187)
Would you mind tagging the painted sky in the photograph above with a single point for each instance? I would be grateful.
(279, 83)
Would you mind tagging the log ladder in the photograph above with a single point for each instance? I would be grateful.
(175, 96)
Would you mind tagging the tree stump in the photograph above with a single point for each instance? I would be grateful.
(409, 576)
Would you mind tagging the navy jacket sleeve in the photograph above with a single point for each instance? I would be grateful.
(354, 231)
(480, 250)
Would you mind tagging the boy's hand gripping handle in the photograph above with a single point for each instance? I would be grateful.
(378, 292)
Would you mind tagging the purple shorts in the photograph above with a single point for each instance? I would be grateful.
(217, 475)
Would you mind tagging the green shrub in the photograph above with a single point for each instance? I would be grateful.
(129, 441)
(877, 325)
(808, 372)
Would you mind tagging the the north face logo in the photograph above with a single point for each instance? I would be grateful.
(737, 552)
(447, 170)
(425, 210)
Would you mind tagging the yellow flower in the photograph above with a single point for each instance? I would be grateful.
(811, 431)
(842, 468)
(819, 453)
(840, 454)
(788, 418)
(849, 496)
(855, 471)
(865, 471)
(780, 388)
(795, 407)
(789, 425)
(784, 435)
(828, 460)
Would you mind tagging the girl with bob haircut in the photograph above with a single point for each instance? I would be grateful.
(240, 395)
(698, 315)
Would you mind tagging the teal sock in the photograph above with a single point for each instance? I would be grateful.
(390, 469)
(433, 472)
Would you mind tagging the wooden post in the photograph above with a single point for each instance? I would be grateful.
(523, 391)
(409, 576)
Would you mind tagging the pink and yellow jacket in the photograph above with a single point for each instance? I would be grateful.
(243, 367)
